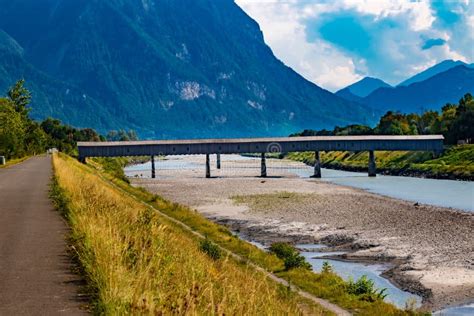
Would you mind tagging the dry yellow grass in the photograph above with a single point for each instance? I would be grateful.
(138, 262)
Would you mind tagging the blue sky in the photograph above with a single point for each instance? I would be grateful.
(335, 43)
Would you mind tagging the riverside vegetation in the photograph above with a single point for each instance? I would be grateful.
(103, 217)
(455, 123)
(457, 162)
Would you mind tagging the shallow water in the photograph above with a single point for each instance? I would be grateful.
(355, 270)
(352, 270)
(446, 193)
(465, 310)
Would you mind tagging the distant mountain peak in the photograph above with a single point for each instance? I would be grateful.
(444, 87)
(434, 70)
(361, 88)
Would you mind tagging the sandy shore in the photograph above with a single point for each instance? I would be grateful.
(432, 247)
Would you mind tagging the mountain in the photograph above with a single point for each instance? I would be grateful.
(166, 68)
(50, 96)
(436, 69)
(361, 89)
(432, 93)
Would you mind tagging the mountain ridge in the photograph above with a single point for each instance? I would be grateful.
(433, 70)
(205, 66)
(449, 86)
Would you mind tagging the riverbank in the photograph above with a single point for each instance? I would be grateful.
(430, 247)
(456, 163)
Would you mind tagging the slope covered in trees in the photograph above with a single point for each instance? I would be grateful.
(188, 68)
(455, 123)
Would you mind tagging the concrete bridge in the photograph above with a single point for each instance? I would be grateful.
(262, 146)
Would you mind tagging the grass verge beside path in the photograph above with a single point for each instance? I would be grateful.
(456, 162)
(138, 262)
(325, 285)
(15, 161)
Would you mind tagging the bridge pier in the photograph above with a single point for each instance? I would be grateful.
(372, 165)
(153, 171)
(208, 166)
(218, 161)
(263, 166)
(317, 165)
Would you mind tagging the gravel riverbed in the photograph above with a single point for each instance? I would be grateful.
(432, 248)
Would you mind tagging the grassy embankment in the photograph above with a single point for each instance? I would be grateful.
(136, 261)
(14, 161)
(455, 163)
(324, 285)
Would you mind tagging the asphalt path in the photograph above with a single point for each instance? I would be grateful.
(36, 275)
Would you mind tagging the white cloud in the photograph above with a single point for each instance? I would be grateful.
(397, 29)
(419, 13)
(285, 32)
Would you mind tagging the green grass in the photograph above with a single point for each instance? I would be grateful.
(328, 286)
(137, 261)
(456, 162)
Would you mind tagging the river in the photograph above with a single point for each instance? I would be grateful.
(445, 193)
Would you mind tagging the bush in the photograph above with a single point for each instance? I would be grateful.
(282, 249)
(365, 287)
(327, 268)
(289, 255)
(210, 248)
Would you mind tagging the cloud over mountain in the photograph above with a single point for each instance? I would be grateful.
(334, 43)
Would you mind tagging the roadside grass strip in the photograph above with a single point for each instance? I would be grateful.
(138, 261)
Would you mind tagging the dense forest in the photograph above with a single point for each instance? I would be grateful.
(21, 136)
(455, 123)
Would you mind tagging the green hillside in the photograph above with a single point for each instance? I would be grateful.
(190, 68)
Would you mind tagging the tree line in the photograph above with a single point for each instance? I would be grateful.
(22, 136)
(455, 123)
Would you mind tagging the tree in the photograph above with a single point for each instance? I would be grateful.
(463, 124)
(36, 139)
(12, 130)
(121, 135)
(20, 96)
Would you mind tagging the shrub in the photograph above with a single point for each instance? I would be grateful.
(327, 268)
(365, 287)
(282, 249)
(289, 255)
(210, 248)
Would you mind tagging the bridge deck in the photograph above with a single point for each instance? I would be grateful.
(260, 145)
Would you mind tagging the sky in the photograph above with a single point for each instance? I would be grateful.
(334, 43)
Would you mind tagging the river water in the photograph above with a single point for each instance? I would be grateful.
(446, 193)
